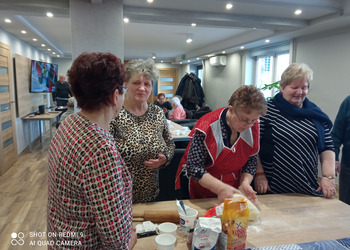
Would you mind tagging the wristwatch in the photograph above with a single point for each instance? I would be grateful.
(329, 177)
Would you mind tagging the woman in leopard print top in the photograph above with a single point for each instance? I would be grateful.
(141, 131)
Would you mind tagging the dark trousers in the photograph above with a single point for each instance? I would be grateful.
(344, 184)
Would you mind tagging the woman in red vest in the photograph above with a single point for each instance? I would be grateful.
(221, 158)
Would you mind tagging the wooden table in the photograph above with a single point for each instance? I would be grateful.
(284, 219)
(50, 116)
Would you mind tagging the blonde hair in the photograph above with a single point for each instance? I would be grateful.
(296, 71)
(142, 67)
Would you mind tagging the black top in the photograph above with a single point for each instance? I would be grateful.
(62, 90)
(166, 105)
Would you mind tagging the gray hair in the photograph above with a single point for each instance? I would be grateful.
(142, 67)
(296, 71)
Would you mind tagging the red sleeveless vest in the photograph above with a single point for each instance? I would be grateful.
(226, 162)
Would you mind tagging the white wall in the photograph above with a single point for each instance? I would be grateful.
(328, 57)
(64, 64)
(219, 82)
(21, 48)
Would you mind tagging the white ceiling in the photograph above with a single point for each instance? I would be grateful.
(161, 27)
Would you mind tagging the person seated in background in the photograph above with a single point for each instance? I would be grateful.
(178, 112)
(70, 109)
(341, 137)
(222, 154)
(89, 185)
(294, 135)
(141, 131)
(163, 104)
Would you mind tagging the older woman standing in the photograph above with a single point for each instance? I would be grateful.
(222, 154)
(141, 131)
(295, 133)
(90, 203)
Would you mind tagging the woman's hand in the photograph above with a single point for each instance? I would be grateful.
(337, 168)
(248, 191)
(226, 191)
(133, 238)
(328, 187)
(261, 184)
(156, 163)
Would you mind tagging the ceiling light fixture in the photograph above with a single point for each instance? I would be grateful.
(298, 12)
(149, 1)
(48, 49)
(267, 41)
(43, 45)
(193, 24)
(8, 20)
(229, 6)
(223, 52)
(58, 55)
(23, 32)
(242, 47)
(154, 56)
(34, 39)
(54, 53)
(49, 14)
(189, 38)
(126, 20)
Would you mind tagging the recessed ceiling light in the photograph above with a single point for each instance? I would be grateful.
(54, 53)
(149, 1)
(8, 20)
(58, 55)
(267, 41)
(154, 56)
(49, 14)
(223, 52)
(126, 20)
(193, 24)
(242, 47)
(34, 39)
(197, 58)
(298, 12)
(49, 49)
(189, 38)
(180, 62)
(188, 60)
(43, 45)
(229, 6)
(23, 32)
(161, 61)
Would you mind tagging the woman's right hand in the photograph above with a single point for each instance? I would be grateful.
(133, 238)
(261, 184)
(226, 191)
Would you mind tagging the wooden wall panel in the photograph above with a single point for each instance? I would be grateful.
(26, 102)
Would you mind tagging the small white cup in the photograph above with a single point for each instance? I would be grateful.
(165, 242)
(188, 220)
(167, 228)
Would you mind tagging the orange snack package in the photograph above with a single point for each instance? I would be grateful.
(234, 220)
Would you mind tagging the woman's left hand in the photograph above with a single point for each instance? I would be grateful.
(248, 191)
(328, 187)
(156, 163)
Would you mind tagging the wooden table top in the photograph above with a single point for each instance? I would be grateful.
(284, 219)
(47, 116)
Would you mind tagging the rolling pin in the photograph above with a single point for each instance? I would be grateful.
(157, 216)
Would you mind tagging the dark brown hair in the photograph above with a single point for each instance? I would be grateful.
(93, 77)
(248, 98)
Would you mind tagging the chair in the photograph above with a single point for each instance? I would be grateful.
(167, 177)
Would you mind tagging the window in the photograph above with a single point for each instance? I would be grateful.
(270, 63)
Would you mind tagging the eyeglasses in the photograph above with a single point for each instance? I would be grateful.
(246, 121)
(125, 89)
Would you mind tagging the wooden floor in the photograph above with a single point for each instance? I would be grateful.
(23, 200)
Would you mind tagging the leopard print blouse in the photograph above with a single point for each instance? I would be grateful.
(138, 139)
